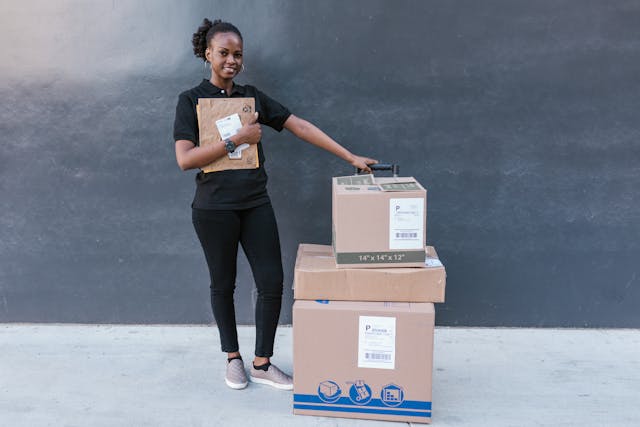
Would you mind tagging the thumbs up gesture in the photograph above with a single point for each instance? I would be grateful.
(250, 132)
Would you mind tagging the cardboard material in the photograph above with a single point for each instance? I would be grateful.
(211, 109)
(379, 222)
(317, 277)
(369, 360)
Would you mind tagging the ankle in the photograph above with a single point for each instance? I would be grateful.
(233, 355)
(263, 367)
(259, 361)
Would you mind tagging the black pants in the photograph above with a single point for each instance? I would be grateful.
(219, 232)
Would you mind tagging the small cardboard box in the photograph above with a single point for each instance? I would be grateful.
(378, 222)
(316, 277)
(369, 360)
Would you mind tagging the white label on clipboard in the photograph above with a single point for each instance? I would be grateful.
(227, 127)
(237, 153)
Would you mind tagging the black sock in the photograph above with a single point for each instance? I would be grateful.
(234, 357)
(264, 367)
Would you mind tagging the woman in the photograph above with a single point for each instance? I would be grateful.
(232, 206)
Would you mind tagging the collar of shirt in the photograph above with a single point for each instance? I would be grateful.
(215, 90)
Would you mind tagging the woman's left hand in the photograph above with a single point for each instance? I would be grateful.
(363, 163)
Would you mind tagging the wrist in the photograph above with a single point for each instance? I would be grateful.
(350, 157)
(229, 145)
(238, 138)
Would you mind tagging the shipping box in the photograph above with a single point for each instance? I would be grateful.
(317, 277)
(378, 222)
(369, 360)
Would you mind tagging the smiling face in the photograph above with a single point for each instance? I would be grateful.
(225, 56)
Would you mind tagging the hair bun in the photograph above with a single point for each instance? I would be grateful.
(199, 39)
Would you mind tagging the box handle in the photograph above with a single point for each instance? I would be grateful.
(394, 169)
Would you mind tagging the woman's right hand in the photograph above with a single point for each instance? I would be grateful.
(250, 133)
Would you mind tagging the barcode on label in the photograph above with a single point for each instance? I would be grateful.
(406, 235)
(377, 356)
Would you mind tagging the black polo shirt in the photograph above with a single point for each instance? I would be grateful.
(236, 188)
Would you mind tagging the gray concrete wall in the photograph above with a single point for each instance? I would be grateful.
(520, 117)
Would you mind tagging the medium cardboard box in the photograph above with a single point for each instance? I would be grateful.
(317, 277)
(369, 360)
(378, 222)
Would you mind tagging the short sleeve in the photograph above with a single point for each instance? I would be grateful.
(271, 112)
(185, 125)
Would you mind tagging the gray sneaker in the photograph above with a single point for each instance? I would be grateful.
(236, 376)
(272, 376)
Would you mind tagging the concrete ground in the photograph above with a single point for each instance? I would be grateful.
(81, 375)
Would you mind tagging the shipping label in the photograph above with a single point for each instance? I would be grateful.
(377, 342)
(406, 223)
(228, 127)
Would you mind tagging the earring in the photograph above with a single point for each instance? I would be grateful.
(242, 68)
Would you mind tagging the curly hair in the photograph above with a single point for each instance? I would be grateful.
(205, 33)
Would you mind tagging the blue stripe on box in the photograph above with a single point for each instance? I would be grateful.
(416, 405)
(361, 410)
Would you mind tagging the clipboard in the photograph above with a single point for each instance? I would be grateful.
(211, 109)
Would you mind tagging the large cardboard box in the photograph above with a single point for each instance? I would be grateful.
(378, 222)
(368, 360)
(317, 277)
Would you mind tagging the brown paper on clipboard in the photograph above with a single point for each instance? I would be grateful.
(211, 109)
